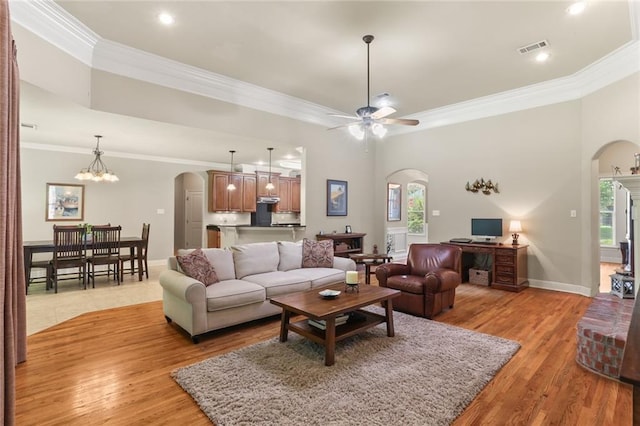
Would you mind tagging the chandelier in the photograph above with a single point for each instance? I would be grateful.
(97, 171)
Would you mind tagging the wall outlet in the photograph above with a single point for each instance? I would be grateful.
(160, 211)
(573, 213)
(435, 213)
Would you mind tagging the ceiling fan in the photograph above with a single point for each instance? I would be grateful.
(371, 118)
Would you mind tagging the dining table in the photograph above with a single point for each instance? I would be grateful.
(135, 245)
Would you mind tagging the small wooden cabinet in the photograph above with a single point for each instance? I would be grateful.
(242, 199)
(295, 195)
(344, 244)
(510, 266)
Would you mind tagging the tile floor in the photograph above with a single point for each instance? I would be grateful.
(46, 308)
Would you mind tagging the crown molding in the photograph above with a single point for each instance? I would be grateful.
(619, 64)
(55, 25)
(117, 154)
(52, 23)
(128, 62)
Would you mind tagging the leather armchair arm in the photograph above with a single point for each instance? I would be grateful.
(442, 279)
(389, 269)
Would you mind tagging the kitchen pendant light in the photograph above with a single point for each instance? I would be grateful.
(231, 186)
(269, 186)
(97, 171)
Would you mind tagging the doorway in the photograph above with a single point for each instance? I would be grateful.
(188, 211)
(614, 221)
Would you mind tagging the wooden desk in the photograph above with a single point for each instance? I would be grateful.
(370, 259)
(30, 247)
(509, 266)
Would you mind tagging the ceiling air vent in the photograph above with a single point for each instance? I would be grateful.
(539, 45)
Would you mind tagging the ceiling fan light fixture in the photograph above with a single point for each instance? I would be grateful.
(356, 131)
(379, 130)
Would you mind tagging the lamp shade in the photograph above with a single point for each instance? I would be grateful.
(515, 226)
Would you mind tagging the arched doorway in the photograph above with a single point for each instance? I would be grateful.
(613, 210)
(188, 211)
(402, 232)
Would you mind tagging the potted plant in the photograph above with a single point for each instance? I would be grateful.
(87, 230)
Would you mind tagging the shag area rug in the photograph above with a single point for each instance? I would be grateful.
(426, 375)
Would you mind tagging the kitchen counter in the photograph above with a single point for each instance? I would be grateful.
(242, 234)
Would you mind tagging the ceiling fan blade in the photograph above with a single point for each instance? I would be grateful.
(383, 112)
(345, 125)
(353, 117)
(403, 121)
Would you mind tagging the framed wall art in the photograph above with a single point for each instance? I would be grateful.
(65, 201)
(394, 198)
(336, 197)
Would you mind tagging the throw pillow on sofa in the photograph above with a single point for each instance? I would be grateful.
(221, 259)
(255, 258)
(290, 255)
(317, 254)
(197, 266)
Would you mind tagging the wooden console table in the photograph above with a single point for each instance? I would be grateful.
(344, 244)
(509, 266)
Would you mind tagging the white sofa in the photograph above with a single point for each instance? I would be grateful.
(249, 275)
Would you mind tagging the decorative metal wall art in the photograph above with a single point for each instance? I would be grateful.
(480, 185)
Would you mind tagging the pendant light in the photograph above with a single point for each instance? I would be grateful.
(97, 171)
(231, 186)
(269, 186)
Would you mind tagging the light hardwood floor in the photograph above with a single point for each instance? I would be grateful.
(113, 366)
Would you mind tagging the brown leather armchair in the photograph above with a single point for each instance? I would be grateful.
(428, 281)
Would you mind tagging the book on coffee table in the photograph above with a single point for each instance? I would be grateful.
(322, 324)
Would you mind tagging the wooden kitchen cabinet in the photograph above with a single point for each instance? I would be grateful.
(242, 199)
(289, 193)
(248, 193)
(263, 179)
(295, 195)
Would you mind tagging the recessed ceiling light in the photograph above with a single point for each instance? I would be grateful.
(576, 8)
(542, 57)
(166, 18)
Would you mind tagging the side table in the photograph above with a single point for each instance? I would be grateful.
(370, 259)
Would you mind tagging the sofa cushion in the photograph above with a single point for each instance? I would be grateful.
(279, 282)
(197, 266)
(255, 258)
(221, 259)
(317, 254)
(290, 255)
(233, 293)
(320, 277)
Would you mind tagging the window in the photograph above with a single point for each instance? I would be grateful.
(416, 201)
(607, 212)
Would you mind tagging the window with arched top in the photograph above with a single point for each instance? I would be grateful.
(416, 214)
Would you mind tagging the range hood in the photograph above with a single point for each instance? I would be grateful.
(268, 200)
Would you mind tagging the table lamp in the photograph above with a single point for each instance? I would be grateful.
(515, 227)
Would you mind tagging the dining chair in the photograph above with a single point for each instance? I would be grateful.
(48, 267)
(69, 251)
(105, 250)
(133, 258)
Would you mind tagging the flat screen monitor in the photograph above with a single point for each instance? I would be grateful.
(486, 227)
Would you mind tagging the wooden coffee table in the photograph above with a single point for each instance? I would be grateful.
(313, 306)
